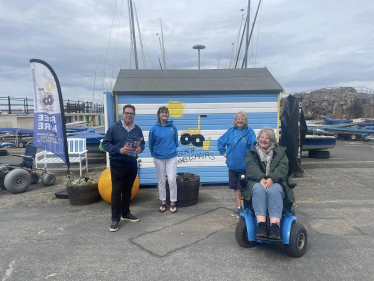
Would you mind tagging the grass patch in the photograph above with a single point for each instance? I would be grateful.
(53, 198)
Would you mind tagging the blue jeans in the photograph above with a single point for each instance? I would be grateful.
(270, 201)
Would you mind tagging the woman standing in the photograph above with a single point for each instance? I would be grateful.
(267, 168)
(163, 143)
(234, 145)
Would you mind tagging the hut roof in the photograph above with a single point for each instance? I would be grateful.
(195, 81)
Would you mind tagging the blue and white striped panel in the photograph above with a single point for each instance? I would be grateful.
(220, 110)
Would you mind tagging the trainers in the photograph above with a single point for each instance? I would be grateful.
(274, 234)
(130, 217)
(262, 233)
(236, 213)
(114, 226)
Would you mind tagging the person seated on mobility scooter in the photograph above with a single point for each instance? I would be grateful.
(268, 192)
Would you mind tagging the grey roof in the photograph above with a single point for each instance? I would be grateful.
(143, 81)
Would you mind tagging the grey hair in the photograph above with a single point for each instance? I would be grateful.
(270, 132)
(245, 119)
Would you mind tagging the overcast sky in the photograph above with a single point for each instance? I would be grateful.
(305, 44)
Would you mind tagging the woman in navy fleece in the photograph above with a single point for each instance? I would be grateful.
(234, 146)
(163, 143)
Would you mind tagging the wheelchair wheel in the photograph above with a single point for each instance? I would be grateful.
(298, 241)
(48, 179)
(17, 181)
(241, 235)
(34, 177)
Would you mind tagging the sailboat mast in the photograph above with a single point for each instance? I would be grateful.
(163, 47)
(140, 37)
(247, 34)
(133, 34)
(253, 25)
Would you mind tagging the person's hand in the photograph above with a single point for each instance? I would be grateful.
(138, 150)
(124, 151)
(269, 182)
(224, 155)
(263, 183)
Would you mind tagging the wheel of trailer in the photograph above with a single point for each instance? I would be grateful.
(298, 241)
(48, 179)
(21, 144)
(185, 139)
(34, 177)
(241, 234)
(198, 141)
(353, 137)
(17, 181)
(336, 136)
(365, 139)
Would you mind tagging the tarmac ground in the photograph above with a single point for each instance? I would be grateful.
(42, 237)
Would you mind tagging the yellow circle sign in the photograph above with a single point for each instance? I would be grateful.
(176, 109)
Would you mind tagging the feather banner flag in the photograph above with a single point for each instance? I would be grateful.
(49, 116)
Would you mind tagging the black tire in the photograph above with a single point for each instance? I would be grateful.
(48, 179)
(34, 177)
(336, 136)
(365, 139)
(198, 140)
(353, 137)
(319, 154)
(241, 235)
(50, 99)
(21, 145)
(185, 139)
(298, 241)
(17, 181)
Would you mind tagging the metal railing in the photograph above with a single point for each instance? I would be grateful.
(9, 105)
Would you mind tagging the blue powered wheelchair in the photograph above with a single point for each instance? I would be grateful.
(293, 234)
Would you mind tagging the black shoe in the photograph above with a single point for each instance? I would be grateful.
(262, 233)
(274, 234)
(114, 226)
(130, 217)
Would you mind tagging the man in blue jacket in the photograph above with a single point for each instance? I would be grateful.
(123, 166)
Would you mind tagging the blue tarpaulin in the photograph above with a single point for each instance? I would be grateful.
(15, 131)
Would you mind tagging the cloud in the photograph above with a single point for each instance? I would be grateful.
(305, 44)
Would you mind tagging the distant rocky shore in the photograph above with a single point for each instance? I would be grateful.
(337, 103)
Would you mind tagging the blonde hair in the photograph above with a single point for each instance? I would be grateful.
(270, 132)
(245, 119)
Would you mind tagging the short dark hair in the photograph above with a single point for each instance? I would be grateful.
(128, 106)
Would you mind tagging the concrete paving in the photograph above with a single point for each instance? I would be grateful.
(46, 238)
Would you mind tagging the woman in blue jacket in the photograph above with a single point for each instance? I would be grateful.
(234, 146)
(163, 143)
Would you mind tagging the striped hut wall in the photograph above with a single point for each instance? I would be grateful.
(220, 110)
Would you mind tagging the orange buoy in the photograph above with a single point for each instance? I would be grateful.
(105, 186)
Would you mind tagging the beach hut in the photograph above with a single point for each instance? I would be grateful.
(203, 104)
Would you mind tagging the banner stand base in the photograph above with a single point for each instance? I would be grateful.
(62, 194)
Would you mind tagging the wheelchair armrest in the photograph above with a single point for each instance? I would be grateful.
(291, 183)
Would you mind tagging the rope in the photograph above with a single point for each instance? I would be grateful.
(107, 50)
(115, 51)
(258, 32)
